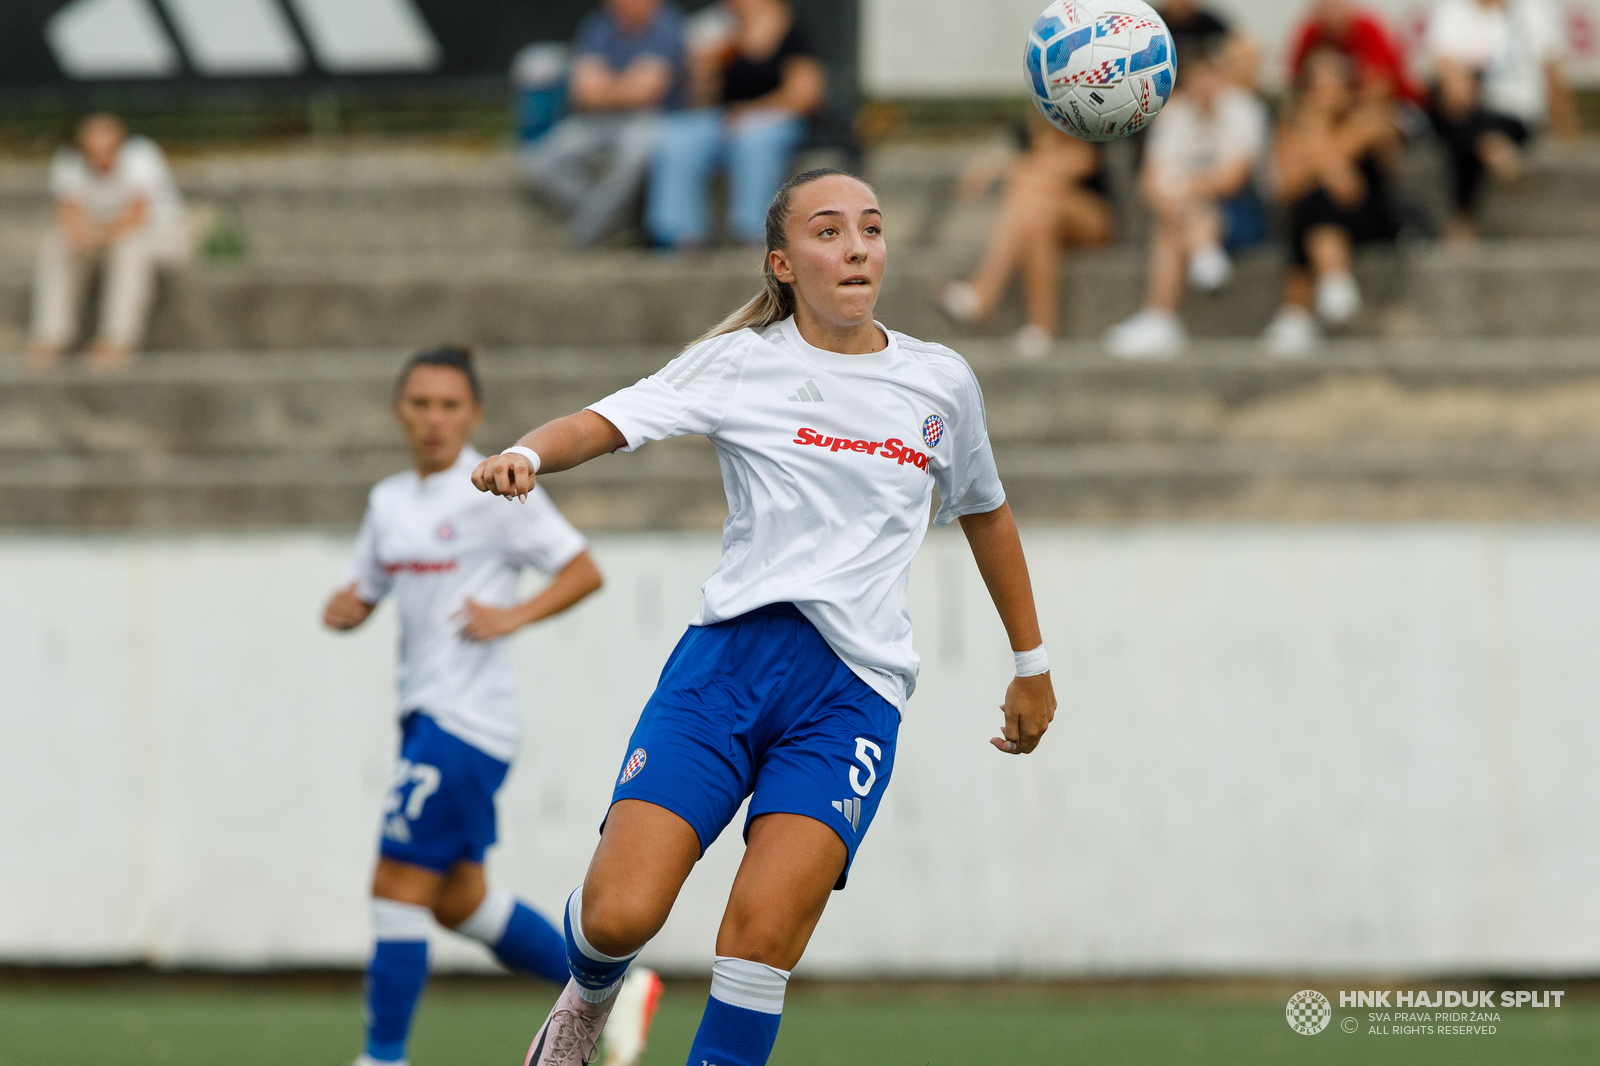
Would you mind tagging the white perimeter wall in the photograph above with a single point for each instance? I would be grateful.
(1278, 749)
(934, 48)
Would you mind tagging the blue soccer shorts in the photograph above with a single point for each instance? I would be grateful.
(440, 806)
(761, 706)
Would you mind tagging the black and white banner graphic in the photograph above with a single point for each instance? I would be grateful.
(79, 44)
(97, 39)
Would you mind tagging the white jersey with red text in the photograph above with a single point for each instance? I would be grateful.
(829, 462)
(436, 542)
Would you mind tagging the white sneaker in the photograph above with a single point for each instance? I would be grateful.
(1210, 269)
(631, 1018)
(363, 1060)
(1033, 342)
(1292, 334)
(1147, 335)
(960, 301)
(568, 1037)
(1338, 299)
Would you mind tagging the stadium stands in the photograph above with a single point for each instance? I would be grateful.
(1470, 389)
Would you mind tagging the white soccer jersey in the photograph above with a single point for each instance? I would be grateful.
(437, 541)
(829, 462)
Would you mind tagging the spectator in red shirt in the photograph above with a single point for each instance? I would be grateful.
(1373, 47)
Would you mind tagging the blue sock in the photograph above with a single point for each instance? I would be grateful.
(595, 973)
(519, 936)
(740, 1024)
(395, 977)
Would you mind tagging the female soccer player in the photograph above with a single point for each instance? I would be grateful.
(788, 686)
(452, 558)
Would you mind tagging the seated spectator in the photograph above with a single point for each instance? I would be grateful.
(1054, 199)
(117, 208)
(1376, 51)
(757, 83)
(1199, 172)
(1198, 29)
(627, 69)
(1331, 163)
(1497, 78)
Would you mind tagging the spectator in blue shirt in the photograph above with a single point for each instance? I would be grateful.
(628, 67)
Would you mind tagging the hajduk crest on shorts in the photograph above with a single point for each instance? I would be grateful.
(1100, 69)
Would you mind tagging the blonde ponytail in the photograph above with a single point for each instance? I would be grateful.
(775, 301)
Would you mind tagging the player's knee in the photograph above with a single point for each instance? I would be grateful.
(451, 912)
(767, 942)
(618, 925)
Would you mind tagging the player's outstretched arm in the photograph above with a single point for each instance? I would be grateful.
(1030, 701)
(561, 445)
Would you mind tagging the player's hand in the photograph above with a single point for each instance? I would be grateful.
(483, 623)
(345, 610)
(505, 475)
(1030, 707)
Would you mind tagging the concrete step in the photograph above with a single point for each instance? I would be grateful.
(1399, 430)
(1497, 289)
(369, 198)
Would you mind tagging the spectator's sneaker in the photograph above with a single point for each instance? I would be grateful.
(1292, 334)
(1338, 298)
(631, 1018)
(1210, 269)
(960, 301)
(568, 1037)
(1033, 342)
(1147, 335)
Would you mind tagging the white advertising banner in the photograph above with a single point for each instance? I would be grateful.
(1279, 749)
(953, 48)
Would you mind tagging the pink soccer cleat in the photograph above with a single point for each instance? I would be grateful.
(568, 1037)
(630, 1021)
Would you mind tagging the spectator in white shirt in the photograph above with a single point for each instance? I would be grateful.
(1498, 78)
(116, 207)
(1202, 154)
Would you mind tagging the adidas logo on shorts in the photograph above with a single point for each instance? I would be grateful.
(851, 809)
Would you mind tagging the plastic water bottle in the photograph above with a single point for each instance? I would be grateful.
(539, 88)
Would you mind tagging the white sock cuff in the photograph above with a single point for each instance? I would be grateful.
(392, 920)
(751, 985)
(575, 917)
(488, 923)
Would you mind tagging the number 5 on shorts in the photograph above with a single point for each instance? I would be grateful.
(869, 755)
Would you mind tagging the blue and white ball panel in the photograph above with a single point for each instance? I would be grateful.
(761, 706)
(440, 806)
(1100, 69)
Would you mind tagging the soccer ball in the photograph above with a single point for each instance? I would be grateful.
(1100, 69)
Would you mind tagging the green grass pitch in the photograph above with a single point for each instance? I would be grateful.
(223, 1022)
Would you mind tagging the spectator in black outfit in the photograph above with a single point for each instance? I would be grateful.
(1331, 164)
(1498, 78)
(757, 81)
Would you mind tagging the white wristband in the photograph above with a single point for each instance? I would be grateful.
(1031, 663)
(527, 453)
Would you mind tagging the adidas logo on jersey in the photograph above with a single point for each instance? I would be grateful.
(809, 393)
(851, 809)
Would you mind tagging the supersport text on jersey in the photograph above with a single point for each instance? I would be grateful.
(436, 542)
(811, 519)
